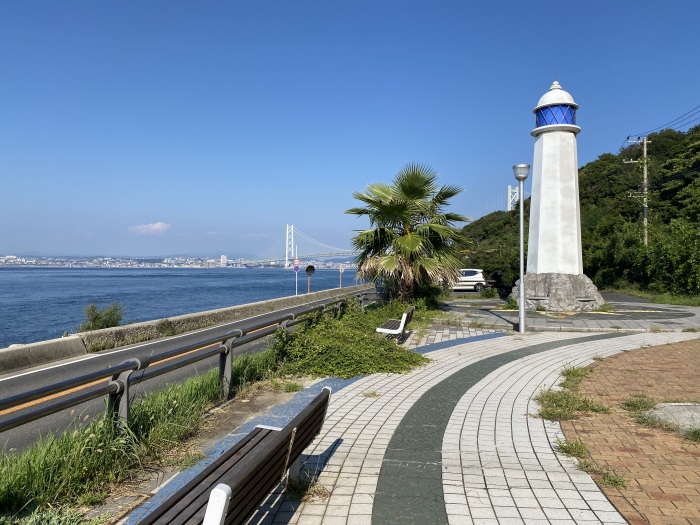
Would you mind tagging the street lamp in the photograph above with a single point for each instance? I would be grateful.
(521, 171)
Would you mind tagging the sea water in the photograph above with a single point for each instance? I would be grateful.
(42, 303)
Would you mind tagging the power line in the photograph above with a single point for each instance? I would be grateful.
(674, 122)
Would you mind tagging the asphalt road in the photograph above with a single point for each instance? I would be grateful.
(20, 383)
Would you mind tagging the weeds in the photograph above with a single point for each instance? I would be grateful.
(562, 405)
(652, 421)
(77, 467)
(510, 304)
(293, 387)
(639, 402)
(450, 319)
(605, 308)
(692, 435)
(573, 376)
(605, 476)
(306, 489)
(589, 467)
(610, 479)
(166, 328)
(566, 403)
(575, 449)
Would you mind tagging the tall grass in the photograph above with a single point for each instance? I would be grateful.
(79, 466)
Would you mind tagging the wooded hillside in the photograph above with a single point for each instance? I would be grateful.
(611, 220)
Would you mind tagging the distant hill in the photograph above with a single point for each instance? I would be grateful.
(611, 220)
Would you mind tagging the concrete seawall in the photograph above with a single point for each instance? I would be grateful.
(18, 357)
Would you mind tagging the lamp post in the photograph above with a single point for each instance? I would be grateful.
(521, 171)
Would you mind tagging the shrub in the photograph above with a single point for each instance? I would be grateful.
(107, 317)
(489, 293)
(511, 304)
(165, 328)
(345, 345)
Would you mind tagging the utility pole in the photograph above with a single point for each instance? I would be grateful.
(645, 184)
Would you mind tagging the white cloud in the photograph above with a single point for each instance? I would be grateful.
(150, 229)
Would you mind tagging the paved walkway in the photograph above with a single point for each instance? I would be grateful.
(628, 316)
(454, 441)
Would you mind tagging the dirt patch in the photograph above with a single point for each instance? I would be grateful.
(219, 422)
(660, 468)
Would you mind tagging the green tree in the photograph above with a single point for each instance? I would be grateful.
(411, 243)
(96, 318)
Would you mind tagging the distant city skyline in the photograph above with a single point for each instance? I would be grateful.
(188, 128)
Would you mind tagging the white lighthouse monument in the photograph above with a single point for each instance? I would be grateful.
(554, 277)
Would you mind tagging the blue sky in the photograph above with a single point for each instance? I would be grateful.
(181, 127)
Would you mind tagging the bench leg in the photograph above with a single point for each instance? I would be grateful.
(295, 471)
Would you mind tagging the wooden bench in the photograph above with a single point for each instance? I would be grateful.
(397, 327)
(251, 469)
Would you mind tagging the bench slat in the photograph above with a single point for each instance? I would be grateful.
(176, 504)
(246, 493)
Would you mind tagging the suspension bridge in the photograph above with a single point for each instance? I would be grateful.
(313, 250)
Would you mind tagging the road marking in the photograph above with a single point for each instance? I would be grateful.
(52, 396)
(82, 387)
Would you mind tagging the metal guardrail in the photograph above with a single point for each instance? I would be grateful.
(121, 377)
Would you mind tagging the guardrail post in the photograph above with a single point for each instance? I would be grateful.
(118, 401)
(226, 368)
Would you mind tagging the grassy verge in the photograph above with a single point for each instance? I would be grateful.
(658, 298)
(46, 483)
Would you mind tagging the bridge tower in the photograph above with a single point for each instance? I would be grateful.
(289, 251)
(513, 197)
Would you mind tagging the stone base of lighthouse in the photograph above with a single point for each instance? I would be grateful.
(559, 292)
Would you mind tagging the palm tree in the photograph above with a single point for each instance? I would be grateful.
(411, 241)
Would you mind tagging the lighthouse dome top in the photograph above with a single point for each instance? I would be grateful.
(556, 96)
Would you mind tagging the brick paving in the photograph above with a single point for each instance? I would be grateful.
(661, 468)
